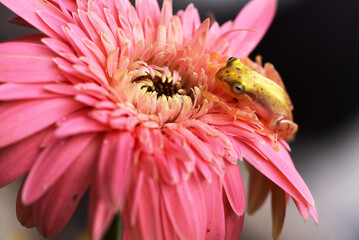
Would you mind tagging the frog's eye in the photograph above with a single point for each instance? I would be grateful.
(230, 59)
(238, 88)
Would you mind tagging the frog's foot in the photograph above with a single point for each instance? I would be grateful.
(241, 112)
(284, 128)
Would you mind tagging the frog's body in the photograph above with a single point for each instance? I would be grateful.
(267, 98)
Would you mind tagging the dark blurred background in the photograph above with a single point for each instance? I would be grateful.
(315, 46)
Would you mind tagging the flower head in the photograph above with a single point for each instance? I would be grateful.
(110, 97)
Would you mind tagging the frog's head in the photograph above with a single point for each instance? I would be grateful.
(230, 78)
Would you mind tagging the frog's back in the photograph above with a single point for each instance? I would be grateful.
(267, 94)
(268, 97)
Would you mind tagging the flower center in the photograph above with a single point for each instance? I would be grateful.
(164, 83)
(163, 93)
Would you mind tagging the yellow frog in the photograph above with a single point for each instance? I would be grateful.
(267, 98)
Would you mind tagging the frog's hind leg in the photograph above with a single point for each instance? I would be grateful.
(283, 127)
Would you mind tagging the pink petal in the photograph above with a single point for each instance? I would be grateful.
(24, 213)
(125, 30)
(302, 210)
(256, 15)
(190, 21)
(234, 188)
(281, 160)
(55, 22)
(258, 189)
(22, 155)
(279, 207)
(199, 39)
(54, 210)
(31, 38)
(205, 169)
(137, 32)
(100, 216)
(103, 116)
(149, 30)
(52, 163)
(132, 16)
(166, 13)
(185, 205)
(167, 167)
(115, 167)
(20, 21)
(148, 8)
(61, 48)
(215, 210)
(276, 168)
(62, 89)
(70, 5)
(82, 5)
(234, 224)
(106, 105)
(97, 8)
(123, 6)
(21, 119)
(68, 70)
(27, 10)
(149, 211)
(168, 229)
(15, 91)
(96, 51)
(78, 123)
(112, 63)
(149, 221)
(313, 212)
(76, 36)
(91, 31)
(175, 32)
(102, 28)
(203, 148)
(112, 23)
(27, 62)
(86, 99)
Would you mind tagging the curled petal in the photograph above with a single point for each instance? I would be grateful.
(52, 163)
(258, 190)
(56, 207)
(24, 212)
(21, 154)
(279, 205)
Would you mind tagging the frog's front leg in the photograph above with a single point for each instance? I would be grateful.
(236, 112)
(283, 127)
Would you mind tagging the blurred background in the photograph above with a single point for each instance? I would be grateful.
(314, 46)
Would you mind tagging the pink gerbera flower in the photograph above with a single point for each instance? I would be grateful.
(110, 97)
